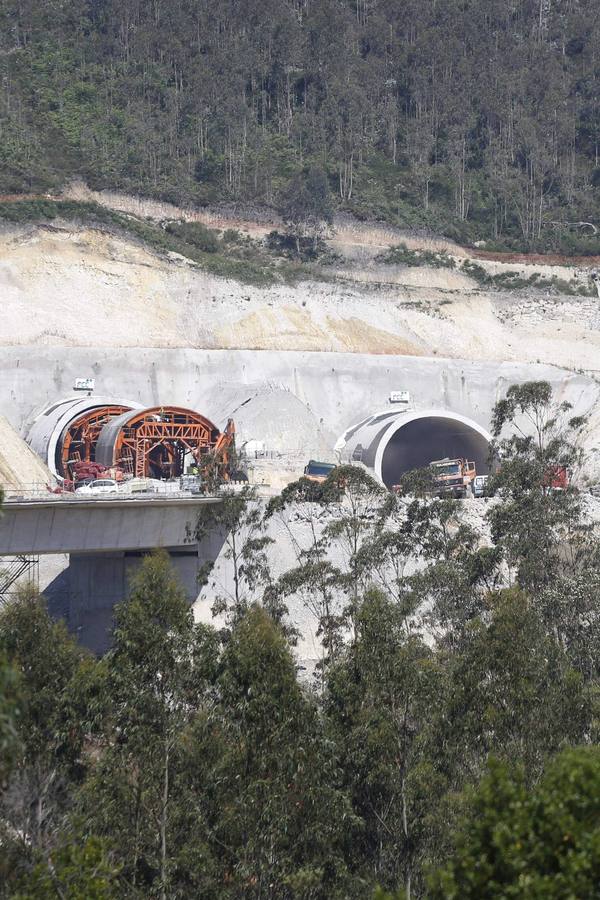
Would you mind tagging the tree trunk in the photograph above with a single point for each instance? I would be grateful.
(163, 826)
(136, 851)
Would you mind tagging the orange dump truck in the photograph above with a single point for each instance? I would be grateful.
(453, 476)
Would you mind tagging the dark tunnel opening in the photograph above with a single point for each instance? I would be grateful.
(421, 441)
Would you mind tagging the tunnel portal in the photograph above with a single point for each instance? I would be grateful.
(158, 442)
(420, 441)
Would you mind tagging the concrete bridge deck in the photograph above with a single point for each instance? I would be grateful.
(58, 524)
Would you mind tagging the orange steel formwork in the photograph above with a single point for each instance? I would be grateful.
(157, 442)
(78, 441)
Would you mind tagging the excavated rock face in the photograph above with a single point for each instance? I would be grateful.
(20, 467)
(294, 366)
(310, 359)
(66, 286)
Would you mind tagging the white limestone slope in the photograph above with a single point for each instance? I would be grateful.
(62, 286)
(20, 468)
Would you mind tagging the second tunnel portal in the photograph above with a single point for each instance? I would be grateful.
(392, 443)
(423, 440)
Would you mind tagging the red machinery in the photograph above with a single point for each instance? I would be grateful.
(556, 478)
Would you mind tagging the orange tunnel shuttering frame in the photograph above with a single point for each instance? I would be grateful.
(157, 442)
(79, 438)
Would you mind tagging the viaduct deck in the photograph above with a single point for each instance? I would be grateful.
(90, 525)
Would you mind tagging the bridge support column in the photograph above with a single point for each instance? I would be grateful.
(86, 592)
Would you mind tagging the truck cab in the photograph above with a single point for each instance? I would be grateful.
(317, 471)
(453, 477)
(479, 485)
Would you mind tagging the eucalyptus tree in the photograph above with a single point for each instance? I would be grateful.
(306, 206)
(511, 692)
(518, 840)
(53, 674)
(9, 715)
(537, 526)
(334, 565)
(356, 499)
(73, 871)
(158, 675)
(237, 521)
(379, 698)
(539, 521)
(286, 825)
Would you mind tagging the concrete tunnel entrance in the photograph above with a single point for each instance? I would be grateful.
(414, 442)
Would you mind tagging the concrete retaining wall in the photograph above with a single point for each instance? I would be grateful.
(338, 389)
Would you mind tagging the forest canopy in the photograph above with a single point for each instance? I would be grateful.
(478, 118)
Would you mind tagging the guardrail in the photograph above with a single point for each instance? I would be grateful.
(167, 490)
(103, 498)
(30, 490)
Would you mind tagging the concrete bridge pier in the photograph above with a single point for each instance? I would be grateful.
(87, 591)
(106, 541)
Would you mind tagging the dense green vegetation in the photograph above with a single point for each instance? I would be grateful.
(540, 842)
(447, 746)
(479, 119)
(401, 255)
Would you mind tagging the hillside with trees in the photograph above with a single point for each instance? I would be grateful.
(479, 120)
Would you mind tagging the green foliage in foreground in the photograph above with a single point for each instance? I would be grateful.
(447, 745)
(529, 843)
(72, 872)
(9, 714)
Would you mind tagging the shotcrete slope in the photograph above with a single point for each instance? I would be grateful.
(294, 366)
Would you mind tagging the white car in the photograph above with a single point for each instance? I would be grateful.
(99, 486)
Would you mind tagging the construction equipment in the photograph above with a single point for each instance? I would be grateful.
(78, 441)
(453, 477)
(556, 478)
(118, 441)
(317, 472)
(162, 442)
(84, 472)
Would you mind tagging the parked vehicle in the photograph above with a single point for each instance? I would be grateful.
(479, 485)
(453, 476)
(318, 471)
(556, 478)
(99, 486)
